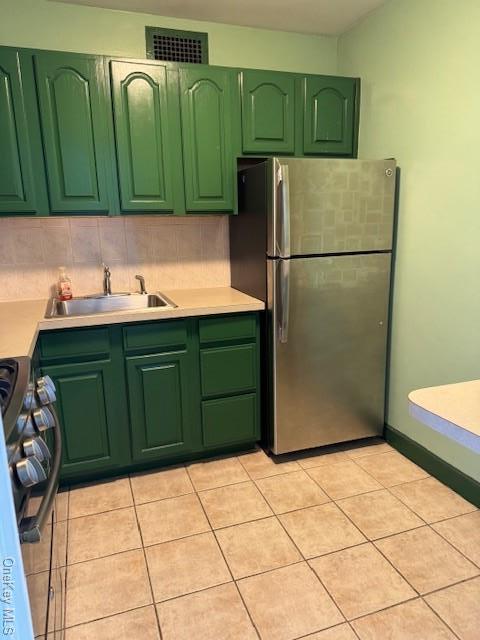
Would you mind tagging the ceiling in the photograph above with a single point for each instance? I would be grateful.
(321, 17)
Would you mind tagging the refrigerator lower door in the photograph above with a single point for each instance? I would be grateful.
(328, 341)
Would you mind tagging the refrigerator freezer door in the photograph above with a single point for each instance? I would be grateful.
(328, 348)
(335, 206)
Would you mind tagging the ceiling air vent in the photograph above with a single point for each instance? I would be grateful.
(176, 46)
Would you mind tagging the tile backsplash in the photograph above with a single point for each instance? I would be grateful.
(172, 253)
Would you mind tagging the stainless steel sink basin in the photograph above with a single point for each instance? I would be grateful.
(92, 305)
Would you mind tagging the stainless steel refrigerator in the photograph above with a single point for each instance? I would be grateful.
(313, 239)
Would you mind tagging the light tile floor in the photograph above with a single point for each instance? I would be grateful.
(348, 543)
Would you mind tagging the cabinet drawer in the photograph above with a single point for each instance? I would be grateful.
(222, 328)
(230, 420)
(155, 334)
(226, 370)
(82, 342)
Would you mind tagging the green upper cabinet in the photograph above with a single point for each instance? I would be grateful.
(268, 112)
(146, 136)
(74, 116)
(83, 134)
(207, 114)
(159, 397)
(329, 115)
(20, 191)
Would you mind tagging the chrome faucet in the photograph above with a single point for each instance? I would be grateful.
(107, 285)
(141, 279)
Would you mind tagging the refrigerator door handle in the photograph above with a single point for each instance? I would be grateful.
(285, 214)
(284, 300)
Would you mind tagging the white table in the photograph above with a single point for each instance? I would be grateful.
(451, 409)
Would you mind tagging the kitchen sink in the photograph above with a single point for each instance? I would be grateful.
(92, 305)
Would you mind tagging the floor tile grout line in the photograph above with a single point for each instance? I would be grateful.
(405, 503)
(179, 495)
(408, 581)
(475, 564)
(429, 525)
(316, 504)
(458, 515)
(102, 557)
(387, 559)
(267, 476)
(362, 493)
(353, 630)
(194, 592)
(226, 563)
(146, 562)
(99, 513)
(453, 584)
(392, 606)
(220, 486)
(366, 542)
(474, 509)
(397, 483)
(413, 598)
(254, 480)
(328, 553)
(113, 615)
(427, 474)
(439, 617)
(334, 626)
(304, 559)
(465, 557)
(390, 535)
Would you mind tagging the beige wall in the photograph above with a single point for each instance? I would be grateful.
(53, 25)
(419, 61)
(172, 253)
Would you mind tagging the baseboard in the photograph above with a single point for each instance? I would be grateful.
(443, 471)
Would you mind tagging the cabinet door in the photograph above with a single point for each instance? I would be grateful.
(207, 122)
(143, 131)
(18, 193)
(73, 113)
(268, 112)
(158, 392)
(93, 419)
(329, 115)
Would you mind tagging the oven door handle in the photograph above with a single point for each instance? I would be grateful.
(31, 528)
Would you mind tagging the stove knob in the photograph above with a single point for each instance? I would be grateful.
(43, 419)
(29, 401)
(46, 394)
(30, 472)
(37, 448)
(46, 381)
(25, 426)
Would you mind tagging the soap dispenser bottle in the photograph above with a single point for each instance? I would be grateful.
(64, 288)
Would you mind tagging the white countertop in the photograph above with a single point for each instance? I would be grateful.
(451, 409)
(20, 322)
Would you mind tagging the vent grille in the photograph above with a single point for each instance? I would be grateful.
(171, 45)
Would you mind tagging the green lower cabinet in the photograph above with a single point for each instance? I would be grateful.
(140, 394)
(159, 395)
(228, 370)
(231, 420)
(92, 415)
